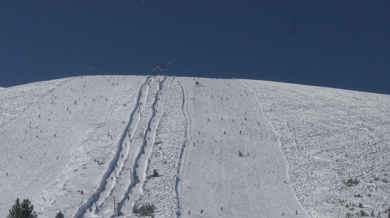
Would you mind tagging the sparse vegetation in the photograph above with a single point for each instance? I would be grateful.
(351, 182)
(155, 174)
(23, 210)
(59, 215)
(144, 210)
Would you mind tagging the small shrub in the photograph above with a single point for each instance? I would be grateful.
(144, 210)
(348, 215)
(60, 215)
(362, 213)
(23, 210)
(351, 182)
(136, 209)
(360, 205)
(155, 173)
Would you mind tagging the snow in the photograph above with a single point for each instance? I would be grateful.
(51, 169)
(15, 100)
(329, 136)
(100, 138)
(243, 186)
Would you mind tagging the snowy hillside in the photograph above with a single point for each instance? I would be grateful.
(66, 144)
(329, 136)
(16, 99)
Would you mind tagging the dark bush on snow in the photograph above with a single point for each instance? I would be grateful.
(155, 173)
(351, 182)
(59, 215)
(144, 210)
(23, 210)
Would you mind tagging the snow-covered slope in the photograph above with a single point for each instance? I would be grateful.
(228, 121)
(15, 100)
(329, 136)
(49, 152)
(68, 143)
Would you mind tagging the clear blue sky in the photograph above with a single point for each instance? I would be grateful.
(333, 43)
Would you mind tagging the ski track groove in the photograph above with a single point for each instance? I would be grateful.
(82, 209)
(162, 110)
(119, 173)
(187, 136)
(136, 166)
(161, 191)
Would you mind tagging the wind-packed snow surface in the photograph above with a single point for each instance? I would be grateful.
(89, 146)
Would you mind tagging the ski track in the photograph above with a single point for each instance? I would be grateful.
(82, 212)
(182, 153)
(131, 173)
(141, 162)
(166, 156)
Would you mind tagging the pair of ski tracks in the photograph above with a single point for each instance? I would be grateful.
(109, 181)
(141, 163)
